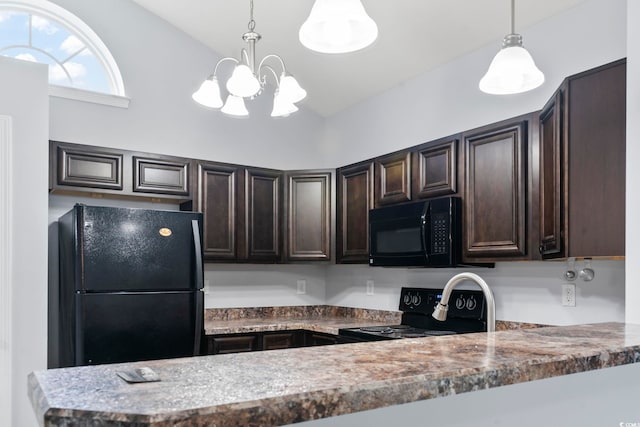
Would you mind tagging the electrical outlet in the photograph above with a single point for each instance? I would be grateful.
(302, 287)
(369, 287)
(569, 295)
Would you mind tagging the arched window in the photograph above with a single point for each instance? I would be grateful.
(40, 31)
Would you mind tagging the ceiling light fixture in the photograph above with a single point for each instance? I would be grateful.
(512, 69)
(338, 26)
(248, 81)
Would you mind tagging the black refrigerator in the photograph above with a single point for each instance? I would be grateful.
(130, 285)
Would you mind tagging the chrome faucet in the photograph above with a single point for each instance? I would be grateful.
(440, 311)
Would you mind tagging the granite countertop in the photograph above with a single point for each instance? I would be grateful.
(317, 318)
(282, 387)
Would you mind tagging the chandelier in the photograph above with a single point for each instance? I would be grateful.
(249, 80)
(512, 69)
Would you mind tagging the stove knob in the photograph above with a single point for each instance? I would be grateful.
(416, 300)
(471, 303)
(407, 299)
(460, 303)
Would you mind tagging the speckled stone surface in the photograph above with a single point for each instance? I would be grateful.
(283, 387)
(317, 318)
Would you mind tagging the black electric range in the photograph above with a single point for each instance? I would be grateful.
(467, 313)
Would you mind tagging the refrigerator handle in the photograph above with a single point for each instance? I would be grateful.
(197, 247)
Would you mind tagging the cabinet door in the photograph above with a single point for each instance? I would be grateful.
(217, 201)
(551, 178)
(308, 216)
(495, 219)
(393, 179)
(596, 161)
(319, 338)
(262, 214)
(161, 175)
(280, 340)
(355, 198)
(84, 166)
(434, 169)
(231, 344)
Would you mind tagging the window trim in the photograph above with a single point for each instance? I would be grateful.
(91, 96)
(52, 11)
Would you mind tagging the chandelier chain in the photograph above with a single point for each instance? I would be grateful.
(252, 23)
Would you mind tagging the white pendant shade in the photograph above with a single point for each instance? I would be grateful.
(282, 106)
(338, 26)
(208, 94)
(242, 82)
(290, 89)
(235, 107)
(511, 71)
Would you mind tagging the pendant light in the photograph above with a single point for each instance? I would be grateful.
(337, 26)
(249, 80)
(512, 69)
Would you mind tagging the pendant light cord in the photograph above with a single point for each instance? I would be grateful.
(252, 23)
(513, 16)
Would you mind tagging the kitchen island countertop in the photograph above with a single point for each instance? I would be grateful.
(286, 386)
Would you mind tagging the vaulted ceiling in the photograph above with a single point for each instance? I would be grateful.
(415, 36)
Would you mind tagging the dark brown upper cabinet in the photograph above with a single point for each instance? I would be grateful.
(163, 176)
(263, 214)
(551, 208)
(582, 163)
(308, 215)
(354, 199)
(393, 179)
(218, 201)
(84, 166)
(435, 168)
(495, 200)
(76, 168)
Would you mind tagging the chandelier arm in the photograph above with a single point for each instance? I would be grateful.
(263, 78)
(272, 55)
(228, 58)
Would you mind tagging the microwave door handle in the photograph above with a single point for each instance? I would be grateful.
(426, 228)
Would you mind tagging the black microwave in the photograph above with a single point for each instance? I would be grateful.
(417, 234)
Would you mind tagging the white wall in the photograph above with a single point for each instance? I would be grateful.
(24, 89)
(633, 172)
(447, 100)
(524, 291)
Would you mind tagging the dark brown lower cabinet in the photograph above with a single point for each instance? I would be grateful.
(260, 341)
(224, 344)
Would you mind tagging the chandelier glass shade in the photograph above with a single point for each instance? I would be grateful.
(512, 69)
(249, 81)
(337, 26)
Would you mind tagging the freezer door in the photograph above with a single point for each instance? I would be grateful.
(123, 249)
(128, 327)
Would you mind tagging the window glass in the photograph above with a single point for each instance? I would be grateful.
(76, 58)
